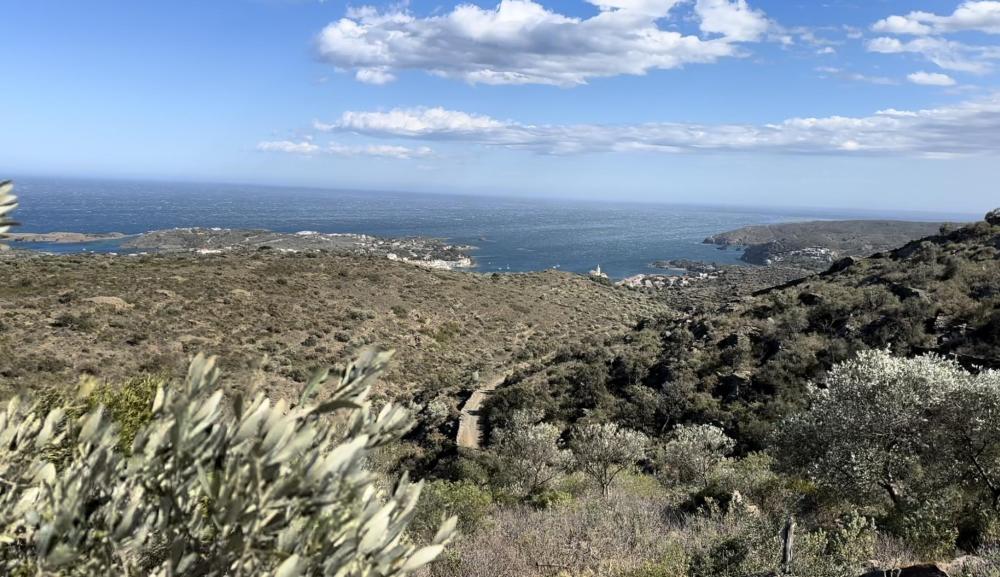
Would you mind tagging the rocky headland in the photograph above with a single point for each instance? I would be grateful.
(815, 245)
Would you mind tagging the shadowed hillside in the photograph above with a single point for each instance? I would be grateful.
(817, 243)
(747, 364)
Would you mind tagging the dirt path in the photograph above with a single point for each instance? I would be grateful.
(469, 432)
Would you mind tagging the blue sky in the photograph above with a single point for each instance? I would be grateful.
(862, 104)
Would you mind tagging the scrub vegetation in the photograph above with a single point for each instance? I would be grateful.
(840, 423)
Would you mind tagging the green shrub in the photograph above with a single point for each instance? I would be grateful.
(840, 551)
(130, 405)
(83, 322)
(439, 499)
(725, 558)
(673, 567)
(549, 499)
(928, 526)
(250, 489)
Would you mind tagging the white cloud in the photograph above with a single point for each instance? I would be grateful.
(304, 147)
(978, 15)
(734, 20)
(947, 54)
(901, 25)
(378, 75)
(523, 42)
(413, 122)
(381, 150)
(929, 29)
(307, 148)
(968, 128)
(931, 79)
(852, 76)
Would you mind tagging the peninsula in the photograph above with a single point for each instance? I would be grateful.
(426, 252)
(817, 244)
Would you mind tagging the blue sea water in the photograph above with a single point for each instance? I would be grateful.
(511, 234)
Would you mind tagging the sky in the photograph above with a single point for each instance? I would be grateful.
(809, 103)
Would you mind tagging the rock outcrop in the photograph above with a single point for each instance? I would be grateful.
(928, 570)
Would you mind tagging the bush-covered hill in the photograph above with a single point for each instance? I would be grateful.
(114, 317)
(812, 243)
(748, 364)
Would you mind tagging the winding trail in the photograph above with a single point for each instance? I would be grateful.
(470, 434)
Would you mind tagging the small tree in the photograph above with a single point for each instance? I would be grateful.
(604, 451)
(970, 433)
(918, 436)
(695, 452)
(871, 432)
(531, 451)
(258, 488)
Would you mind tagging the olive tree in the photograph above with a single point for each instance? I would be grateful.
(695, 452)
(970, 433)
(603, 451)
(896, 428)
(210, 486)
(531, 451)
(8, 202)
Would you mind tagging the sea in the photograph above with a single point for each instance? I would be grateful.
(510, 234)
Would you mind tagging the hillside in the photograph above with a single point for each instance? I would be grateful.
(115, 316)
(818, 243)
(748, 363)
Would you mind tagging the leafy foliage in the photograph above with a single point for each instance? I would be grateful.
(603, 451)
(531, 452)
(463, 499)
(8, 202)
(250, 489)
(695, 452)
(918, 436)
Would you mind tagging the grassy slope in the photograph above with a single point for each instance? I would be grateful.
(301, 310)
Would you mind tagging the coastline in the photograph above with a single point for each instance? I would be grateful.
(429, 253)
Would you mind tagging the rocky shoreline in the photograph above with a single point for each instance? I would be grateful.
(426, 252)
(706, 281)
(64, 237)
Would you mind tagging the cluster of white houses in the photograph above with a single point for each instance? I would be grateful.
(657, 281)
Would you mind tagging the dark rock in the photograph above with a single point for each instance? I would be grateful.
(761, 254)
(993, 217)
(810, 299)
(842, 264)
(906, 292)
(730, 341)
(913, 571)
(733, 386)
